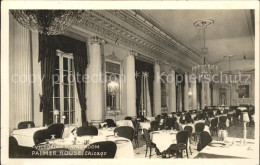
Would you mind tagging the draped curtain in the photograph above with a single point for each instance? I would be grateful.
(180, 91)
(211, 93)
(199, 87)
(47, 52)
(140, 67)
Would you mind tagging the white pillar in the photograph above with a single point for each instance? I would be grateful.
(96, 85)
(157, 89)
(172, 92)
(186, 91)
(202, 95)
(208, 100)
(131, 84)
(194, 94)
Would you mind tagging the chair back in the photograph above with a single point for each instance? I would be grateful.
(128, 118)
(125, 131)
(214, 122)
(205, 139)
(169, 123)
(25, 124)
(110, 123)
(147, 136)
(189, 129)
(13, 147)
(223, 119)
(154, 125)
(105, 149)
(199, 127)
(182, 137)
(55, 129)
(39, 136)
(177, 126)
(89, 130)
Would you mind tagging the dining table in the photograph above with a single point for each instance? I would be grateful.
(230, 148)
(106, 131)
(163, 139)
(24, 137)
(125, 123)
(77, 147)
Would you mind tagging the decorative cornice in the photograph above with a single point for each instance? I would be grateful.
(132, 53)
(113, 57)
(97, 40)
(109, 29)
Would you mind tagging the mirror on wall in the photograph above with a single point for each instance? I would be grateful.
(113, 85)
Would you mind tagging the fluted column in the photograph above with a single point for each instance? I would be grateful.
(202, 95)
(96, 85)
(131, 84)
(194, 94)
(172, 91)
(157, 89)
(208, 94)
(186, 90)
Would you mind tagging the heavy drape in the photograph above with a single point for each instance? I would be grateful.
(140, 67)
(199, 87)
(47, 52)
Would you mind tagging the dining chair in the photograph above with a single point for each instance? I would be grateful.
(128, 118)
(110, 123)
(205, 139)
(26, 124)
(89, 130)
(214, 126)
(106, 149)
(177, 126)
(154, 125)
(169, 123)
(13, 148)
(189, 129)
(40, 136)
(55, 129)
(125, 131)
(182, 144)
(222, 123)
(148, 142)
(199, 127)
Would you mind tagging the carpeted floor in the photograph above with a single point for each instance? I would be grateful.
(235, 131)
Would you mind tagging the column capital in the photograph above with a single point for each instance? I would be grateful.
(132, 53)
(97, 40)
(157, 62)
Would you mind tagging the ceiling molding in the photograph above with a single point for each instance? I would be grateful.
(97, 23)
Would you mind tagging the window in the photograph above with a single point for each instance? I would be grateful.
(113, 85)
(64, 89)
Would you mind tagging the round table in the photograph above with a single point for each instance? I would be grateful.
(163, 139)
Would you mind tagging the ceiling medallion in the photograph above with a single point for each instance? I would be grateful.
(205, 70)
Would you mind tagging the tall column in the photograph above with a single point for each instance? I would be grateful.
(186, 91)
(172, 91)
(157, 89)
(208, 100)
(131, 84)
(96, 85)
(194, 94)
(202, 95)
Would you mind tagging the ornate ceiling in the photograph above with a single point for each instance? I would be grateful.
(169, 35)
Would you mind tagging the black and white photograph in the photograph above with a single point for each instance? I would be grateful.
(153, 83)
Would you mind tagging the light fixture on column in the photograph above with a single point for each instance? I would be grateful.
(206, 69)
(56, 113)
(113, 88)
(48, 22)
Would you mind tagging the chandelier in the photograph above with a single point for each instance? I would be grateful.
(205, 69)
(48, 22)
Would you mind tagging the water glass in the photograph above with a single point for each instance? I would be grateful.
(53, 137)
(29, 126)
(116, 134)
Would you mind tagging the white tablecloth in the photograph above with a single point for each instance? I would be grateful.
(150, 118)
(106, 131)
(163, 139)
(124, 149)
(145, 125)
(124, 123)
(24, 137)
(231, 150)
